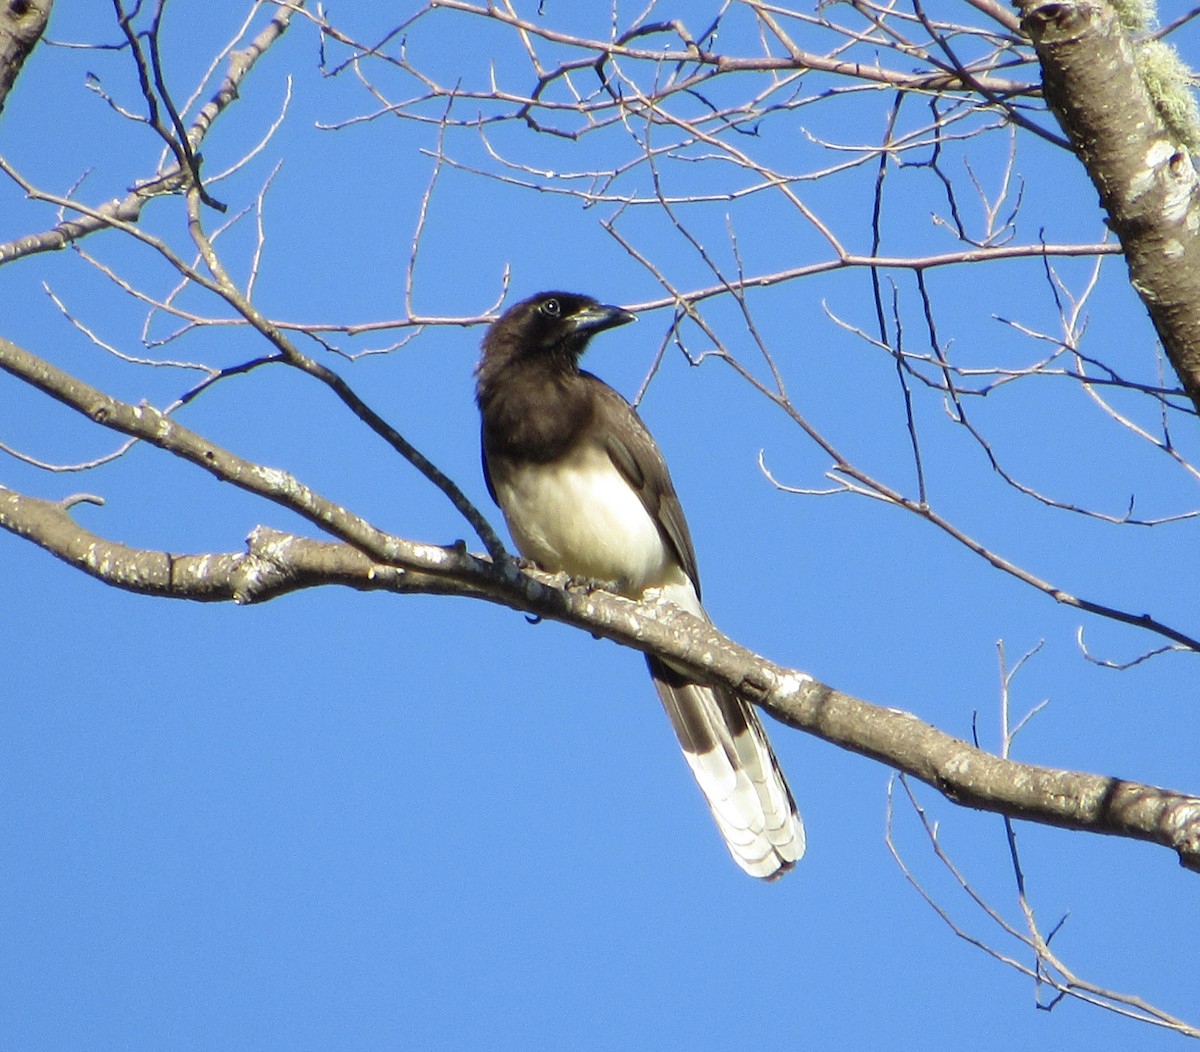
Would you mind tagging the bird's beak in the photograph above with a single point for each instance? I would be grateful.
(598, 318)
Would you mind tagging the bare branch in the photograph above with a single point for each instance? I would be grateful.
(153, 426)
(128, 209)
(1048, 968)
(963, 773)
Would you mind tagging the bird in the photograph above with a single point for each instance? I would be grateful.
(585, 490)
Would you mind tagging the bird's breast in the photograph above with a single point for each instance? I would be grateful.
(578, 514)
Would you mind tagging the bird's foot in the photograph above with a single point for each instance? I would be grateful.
(587, 585)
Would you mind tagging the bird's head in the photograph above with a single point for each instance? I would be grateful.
(557, 324)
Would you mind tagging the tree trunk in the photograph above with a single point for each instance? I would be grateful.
(21, 26)
(1147, 183)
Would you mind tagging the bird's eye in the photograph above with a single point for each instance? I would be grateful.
(551, 308)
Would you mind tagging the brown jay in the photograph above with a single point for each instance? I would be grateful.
(585, 490)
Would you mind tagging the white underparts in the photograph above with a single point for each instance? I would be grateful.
(579, 515)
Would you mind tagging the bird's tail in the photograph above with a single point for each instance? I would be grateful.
(731, 758)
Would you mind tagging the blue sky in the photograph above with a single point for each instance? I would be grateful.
(367, 821)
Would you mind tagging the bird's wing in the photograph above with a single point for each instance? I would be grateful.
(636, 456)
(487, 474)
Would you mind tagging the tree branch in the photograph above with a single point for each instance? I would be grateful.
(129, 208)
(151, 425)
(277, 563)
(796, 59)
